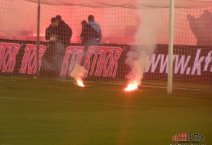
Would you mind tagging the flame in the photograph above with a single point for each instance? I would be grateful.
(80, 83)
(131, 86)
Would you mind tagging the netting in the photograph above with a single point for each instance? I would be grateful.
(122, 29)
(17, 28)
(193, 51)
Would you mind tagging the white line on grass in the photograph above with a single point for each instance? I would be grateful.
(93, 103)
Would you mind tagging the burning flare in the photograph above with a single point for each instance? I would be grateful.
(80, 83)
(132, 86)
(78, 74)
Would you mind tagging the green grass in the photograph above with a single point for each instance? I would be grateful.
(38, 112)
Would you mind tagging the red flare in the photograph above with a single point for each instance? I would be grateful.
(131, 86)
(80, 83)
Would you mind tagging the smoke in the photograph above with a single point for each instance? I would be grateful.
(146, 39)
(53, 58)
(18, 18)
(78, 72)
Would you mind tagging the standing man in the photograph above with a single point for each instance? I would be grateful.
(83, 23)
(65, 32)
(48, 61)
(52, 31)
(64, 36)
(89, 37)
(91, 34)
(96, 26)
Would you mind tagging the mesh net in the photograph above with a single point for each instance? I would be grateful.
(120, 23)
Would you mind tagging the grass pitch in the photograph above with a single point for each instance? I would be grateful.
(48, 112)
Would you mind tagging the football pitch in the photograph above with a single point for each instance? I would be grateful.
(47, 112)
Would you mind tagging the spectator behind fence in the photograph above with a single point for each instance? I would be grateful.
(96, 26)
(49, 60)
(52, 31)
(81, 35)
(65, 32)
(88, 37)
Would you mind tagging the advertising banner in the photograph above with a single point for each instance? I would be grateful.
(191, 63)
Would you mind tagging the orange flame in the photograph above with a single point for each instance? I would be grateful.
(131, 86)
(80, 83)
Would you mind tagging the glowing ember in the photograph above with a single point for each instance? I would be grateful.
(131, 86)
(80, 83)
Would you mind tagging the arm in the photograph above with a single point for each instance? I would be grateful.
(83, 34)
(100, 34)
(47, 34)
(99, 31)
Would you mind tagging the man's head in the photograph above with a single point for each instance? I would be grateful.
(91, 18)
(59, 18)
(54, 22)
(83, 23)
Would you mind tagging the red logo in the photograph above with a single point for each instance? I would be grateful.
(73, 55)
(8, 52)
(102, 61)
(29, 61)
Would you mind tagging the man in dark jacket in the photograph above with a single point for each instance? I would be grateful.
(88, 32)
(49, 60)
(96, 26)
(88, 37)
(52, 30)
(82, 24)
(65, 32)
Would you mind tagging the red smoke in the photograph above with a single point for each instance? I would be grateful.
(18, 20)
